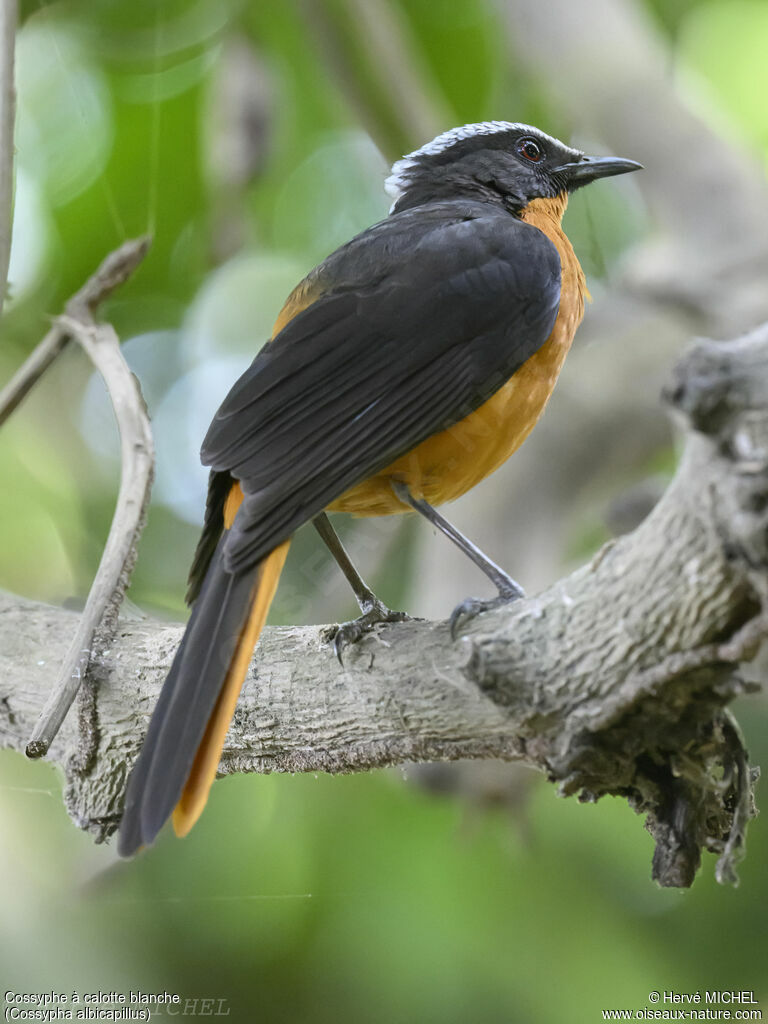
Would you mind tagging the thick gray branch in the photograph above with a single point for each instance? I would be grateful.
(613, 680)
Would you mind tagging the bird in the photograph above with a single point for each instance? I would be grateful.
(401, 371)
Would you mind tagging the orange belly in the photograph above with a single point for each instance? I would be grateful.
(448, 464)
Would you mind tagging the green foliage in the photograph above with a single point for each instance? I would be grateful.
(725, 44)
(299, 898)
(328, 899)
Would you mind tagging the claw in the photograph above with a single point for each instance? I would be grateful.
(472, 606)
(349, 633)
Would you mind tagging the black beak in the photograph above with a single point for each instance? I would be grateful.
(590, 168)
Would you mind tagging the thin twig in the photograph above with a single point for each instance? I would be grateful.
(376, 65)
(8, 15)
(113, 271)
(401, 71)
(102, 346)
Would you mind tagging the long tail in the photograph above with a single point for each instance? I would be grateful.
(181, 751)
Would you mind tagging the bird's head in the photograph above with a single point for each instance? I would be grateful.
(496, 161)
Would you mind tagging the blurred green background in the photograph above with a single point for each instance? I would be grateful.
(250, 139)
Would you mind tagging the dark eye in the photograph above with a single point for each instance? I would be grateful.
(530, 149)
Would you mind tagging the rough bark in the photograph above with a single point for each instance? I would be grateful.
(613, 680)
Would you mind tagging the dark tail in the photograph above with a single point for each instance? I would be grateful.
(181, 751)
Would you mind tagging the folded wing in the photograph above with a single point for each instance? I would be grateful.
(417, 322)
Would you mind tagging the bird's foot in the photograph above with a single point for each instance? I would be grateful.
(472, 606)
(348, 633)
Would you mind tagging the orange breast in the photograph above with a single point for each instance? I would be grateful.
(448, 464)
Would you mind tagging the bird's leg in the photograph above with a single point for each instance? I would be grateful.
(508, 589)
(374, 611)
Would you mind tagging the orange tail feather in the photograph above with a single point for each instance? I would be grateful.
(195, 792)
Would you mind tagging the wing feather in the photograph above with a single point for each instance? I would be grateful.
(417, 323)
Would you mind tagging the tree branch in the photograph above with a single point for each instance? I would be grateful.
(99, 619)
(371, 55)
(113, 271)
(613, 680)
(8, 15)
